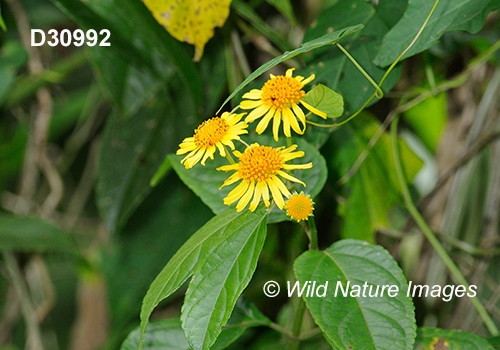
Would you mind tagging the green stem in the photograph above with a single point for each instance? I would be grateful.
(443, 254)
(293, 343)
(229, 157)
(379, 93)
(378, 86)
(314, 234)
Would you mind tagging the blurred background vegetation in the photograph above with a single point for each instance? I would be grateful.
(83, 130)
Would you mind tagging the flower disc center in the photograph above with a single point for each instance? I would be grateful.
(282, 92)
(260, 163)
(210, 132)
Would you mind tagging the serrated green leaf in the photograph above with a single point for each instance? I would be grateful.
(206, 180)
(29, 234)
(449, 15)
(435, 339)
(333, 68)
(165, 335)
(370, 323)
(168, 334)
(185, 262)
(326, 100)
(327, 39)
(373, 190)
(221, 277)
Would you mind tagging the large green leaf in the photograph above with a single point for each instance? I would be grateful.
(333, 68)
(319, 41)
(26, 234)
(206, 180)
(220, 278)
(187, 259)
(132, 151)
(435, 338)
(449, 15)
(163, 222)
(358, 320)
(168, 334)
(373, 190)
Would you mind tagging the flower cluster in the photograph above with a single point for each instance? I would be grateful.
(260, 169)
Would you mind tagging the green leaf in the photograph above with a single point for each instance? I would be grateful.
(221, 277)
(163, 222)
(428, 119)
(165, 335)
(449, 15)
(132, 150)
(27, 234)
(495, 341)
(205, 181)
(168, 334)
(185, 262)
(161, 172)
(286, 9)
(334, 69)
(2, 23)
(328, 39)
(373, 191)
(435, 339)
(380, 322)
(245, 315)
(326, 100)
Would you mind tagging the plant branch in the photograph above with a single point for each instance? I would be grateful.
(443, 254)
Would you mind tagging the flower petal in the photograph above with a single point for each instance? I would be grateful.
(254, 94)
(289, 72)
(314, 110)
(290, 177)
(281, 186)
(246, 197)
(308, 80)
(208, 153)
(257, 113)
(278, 198)
(262, 126)
(236, 193)
(300, 115)
(257, 195)
(287, 120)
(248, 104)
(231, 180)
(276, 124)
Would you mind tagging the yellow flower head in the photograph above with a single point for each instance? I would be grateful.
(279, 99)
(299, 206)
(258, 168)
(215, 132)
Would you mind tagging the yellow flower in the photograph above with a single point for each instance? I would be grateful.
(215, 132)
(279, 99)
(258, 168)
(299, 206)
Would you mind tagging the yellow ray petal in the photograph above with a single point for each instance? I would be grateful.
(236, 193)
(246, 197)
(254, 94)
(262, 126)
(278, 198)
(290, 177)
(276, 124)
(314, 110)
(256, 113)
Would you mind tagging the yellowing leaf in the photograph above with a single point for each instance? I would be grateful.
(192, 21)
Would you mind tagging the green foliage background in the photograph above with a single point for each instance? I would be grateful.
(90, 230)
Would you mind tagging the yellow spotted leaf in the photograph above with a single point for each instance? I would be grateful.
(192, 21)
